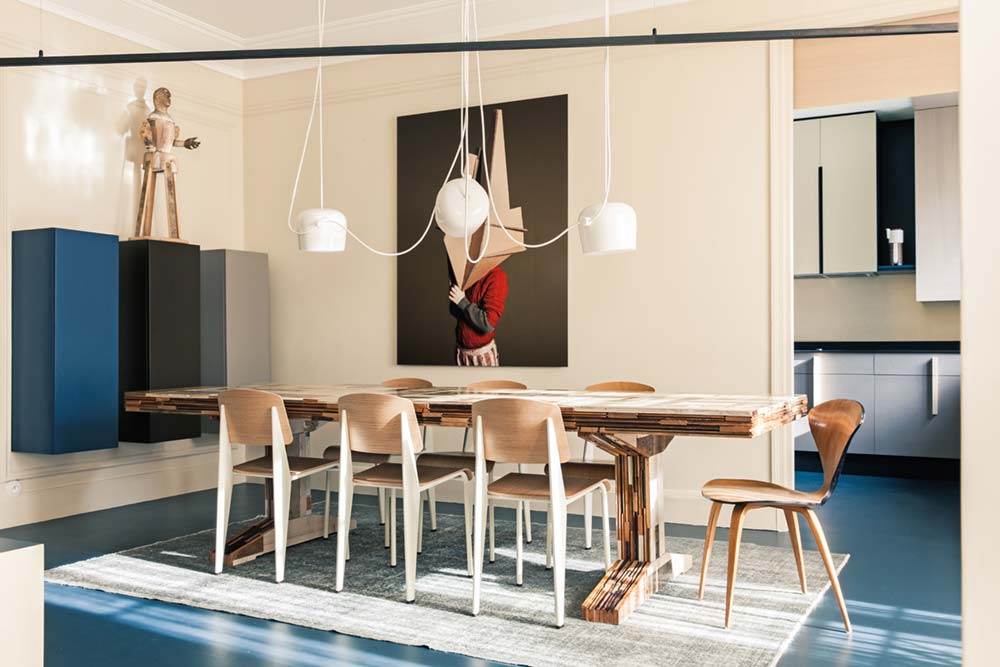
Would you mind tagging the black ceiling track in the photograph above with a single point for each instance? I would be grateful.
(652, 39)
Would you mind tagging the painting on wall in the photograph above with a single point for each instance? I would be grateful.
(509, 308)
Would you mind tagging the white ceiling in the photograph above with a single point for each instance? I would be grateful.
(188, 25)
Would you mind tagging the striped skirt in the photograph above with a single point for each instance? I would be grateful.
(487, 355)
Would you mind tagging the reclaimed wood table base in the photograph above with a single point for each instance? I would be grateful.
(635, 428)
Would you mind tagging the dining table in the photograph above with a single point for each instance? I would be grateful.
(634, 428)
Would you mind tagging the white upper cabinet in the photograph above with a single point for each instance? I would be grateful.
(849, 196)
(836, 200)
(806, 188)
(938, 218)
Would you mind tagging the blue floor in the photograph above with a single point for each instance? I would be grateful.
(902, 585)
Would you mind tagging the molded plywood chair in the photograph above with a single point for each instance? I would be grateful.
(258, 418)
(833, 425)
(385, 424)
(591, 470)
(465, 457)
(362, 459)
(525, 431)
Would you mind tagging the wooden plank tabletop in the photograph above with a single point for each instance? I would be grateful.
(731, 416)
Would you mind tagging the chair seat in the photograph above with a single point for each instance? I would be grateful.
(452, 460)
(526, 485)
(299, 466)
(391, 475)
(588, 470)
(757, 492)
(333, 453)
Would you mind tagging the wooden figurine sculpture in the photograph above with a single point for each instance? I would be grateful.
(159, 134)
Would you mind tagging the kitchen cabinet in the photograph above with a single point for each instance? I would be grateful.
(836, 199)
(938, 217)
(911, 400)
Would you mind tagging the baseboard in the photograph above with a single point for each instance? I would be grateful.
(910, 467)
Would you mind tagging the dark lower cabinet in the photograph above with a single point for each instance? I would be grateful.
(160, 332)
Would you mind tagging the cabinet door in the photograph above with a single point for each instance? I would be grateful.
(906, 424)
(806, 191)
(861, 388)
(849, 196)
(938, 220)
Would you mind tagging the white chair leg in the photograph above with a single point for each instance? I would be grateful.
(420, 524)
(519, 549)
(527, 512)
(385, 521)
(326, 507)
(479, 537)
(343, 521)
(223, 501)
(559, 571)
(282, 503)
(605, 528)
(432, 501)
(588, 521)
(411, 501)
(347, 527)
(663, 538)
(469, 492)
(381, 505)
(492, 508)
(392, 527)
(548, 538)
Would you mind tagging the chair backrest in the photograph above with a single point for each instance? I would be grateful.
(248, 416)
(515, 429)
(621, 385)
(497, 384)
(833, 425)
(375, 423)
(408, 383)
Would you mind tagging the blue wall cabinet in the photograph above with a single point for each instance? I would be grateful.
(64, 337)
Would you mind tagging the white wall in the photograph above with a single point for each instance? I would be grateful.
(980, 145)
(67, 159)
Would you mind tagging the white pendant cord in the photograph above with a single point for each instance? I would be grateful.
(317, 90)
(468, 21)
(607, 137)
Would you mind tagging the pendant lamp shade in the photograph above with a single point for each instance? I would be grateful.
(322, 230)
(613, 231)
(450, 209)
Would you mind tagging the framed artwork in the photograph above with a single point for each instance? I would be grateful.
(510, 308)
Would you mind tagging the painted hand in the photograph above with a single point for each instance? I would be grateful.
(456, 295)
(191, 143)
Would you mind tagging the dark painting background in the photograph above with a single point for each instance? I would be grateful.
(532, 331)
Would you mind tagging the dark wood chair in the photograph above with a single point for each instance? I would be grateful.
(833, 425)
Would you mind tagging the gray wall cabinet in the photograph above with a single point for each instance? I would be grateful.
(235, 319)
(911, 399)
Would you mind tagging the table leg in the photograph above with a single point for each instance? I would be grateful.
(303, 525)
(642, 562)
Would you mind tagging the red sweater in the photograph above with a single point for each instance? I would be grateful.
(480, 310)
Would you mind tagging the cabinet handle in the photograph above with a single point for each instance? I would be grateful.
(935, 385)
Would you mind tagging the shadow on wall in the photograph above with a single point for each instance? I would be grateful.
(128, 127)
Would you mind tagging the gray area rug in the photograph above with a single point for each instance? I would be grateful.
(515, 623)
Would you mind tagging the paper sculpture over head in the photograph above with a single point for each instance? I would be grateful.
(500, 245)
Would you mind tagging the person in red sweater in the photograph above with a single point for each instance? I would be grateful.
(477, 313)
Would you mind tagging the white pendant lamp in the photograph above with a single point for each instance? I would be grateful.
(322, 230)
(608, 231)
(454, 216)
(609, 227)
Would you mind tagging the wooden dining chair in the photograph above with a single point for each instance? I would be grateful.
(596, 470)
(833, 425)
(258, 418)
(466, 457)
(386, 424)
(526, 431)
(363, 459)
